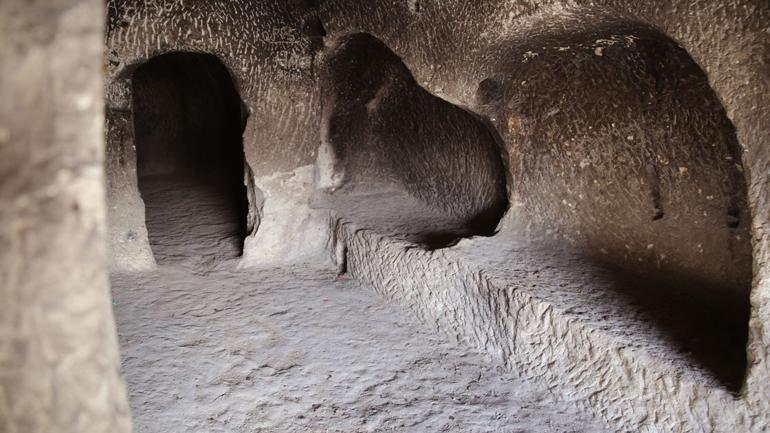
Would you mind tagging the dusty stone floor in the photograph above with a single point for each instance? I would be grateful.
(191, 221)
(208, 348)
(298, 350)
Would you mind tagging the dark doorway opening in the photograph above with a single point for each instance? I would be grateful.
(188, 123)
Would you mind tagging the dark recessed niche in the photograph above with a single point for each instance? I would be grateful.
(188, 124)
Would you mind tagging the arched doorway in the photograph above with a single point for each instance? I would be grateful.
(188, 123)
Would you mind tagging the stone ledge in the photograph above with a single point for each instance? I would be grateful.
(589, 366)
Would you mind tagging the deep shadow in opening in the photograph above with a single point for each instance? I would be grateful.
(705, 322)
(188, 123)
(421, 168)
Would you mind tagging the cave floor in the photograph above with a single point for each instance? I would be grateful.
(298, 349)
(192, 220)
(209, 348)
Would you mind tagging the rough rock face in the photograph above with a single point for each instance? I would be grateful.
(633, 132)
(614, 362)
(619, 146)
(656, 185)
(59, 364)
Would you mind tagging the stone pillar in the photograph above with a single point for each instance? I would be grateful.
(59, 362)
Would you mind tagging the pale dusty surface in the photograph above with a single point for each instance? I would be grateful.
(208, 348)
(192, 222)
(299, 350)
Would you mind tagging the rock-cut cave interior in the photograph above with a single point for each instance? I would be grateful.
(384, 216)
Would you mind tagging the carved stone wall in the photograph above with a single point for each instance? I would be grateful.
(59, 363)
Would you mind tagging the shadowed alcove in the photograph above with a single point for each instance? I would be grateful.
(400, 159)
(188, 122)
(629, 190)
